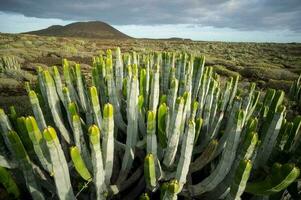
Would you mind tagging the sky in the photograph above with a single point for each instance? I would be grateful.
(211, 20)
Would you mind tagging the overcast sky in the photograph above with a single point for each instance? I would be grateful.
(224, 20)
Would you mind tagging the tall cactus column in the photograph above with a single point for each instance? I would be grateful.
(59, 165)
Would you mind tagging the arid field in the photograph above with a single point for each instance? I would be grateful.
(219, 97)
(268, 64)
(150, 100)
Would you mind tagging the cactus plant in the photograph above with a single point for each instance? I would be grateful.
(9, 183)
(9, 62)
(280, 178)
(241, 177)
(59, 164)
(294, 92)
(149, 123)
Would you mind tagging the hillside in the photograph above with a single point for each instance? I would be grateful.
(93, 29)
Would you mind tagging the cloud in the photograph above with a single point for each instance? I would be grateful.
(18, 23)
(236, 14)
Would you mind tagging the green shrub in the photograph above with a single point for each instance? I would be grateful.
(224, 71)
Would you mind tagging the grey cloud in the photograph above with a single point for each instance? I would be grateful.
(237, 14)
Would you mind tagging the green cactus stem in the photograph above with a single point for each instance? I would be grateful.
(226, 161)
(38, 142)
(79, 164)
(108, 141)
(59, 165)
(9, 183)
(150, 172)
(26, 166)
(281, 177)
(240, 181)
(172, 190)
(97, 162)
(54, 105)
(174, 133)
(206, 156)
(186, 153)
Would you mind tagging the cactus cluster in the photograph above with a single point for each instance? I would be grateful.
(295, 93)
(9, 62)
(11, 73)
(156, 125)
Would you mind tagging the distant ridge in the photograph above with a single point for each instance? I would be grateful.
(92, 29)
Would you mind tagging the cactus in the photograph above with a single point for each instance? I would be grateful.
(95, 106)
(37, 110)
(244, 154)
(174, 133)
(294, 92)
(97, 162)
(293, 139)
(108, 141)
(24, 163)
(144, 196)
(132, 128)
(150, 171)
(118, 70)
(241, 177)
(269, 140)
(172, 190)
(228, 157)
(9, 62)
(151, 139)
(280, 178)
(163, 122)
(59, 165)
(54, 105)
(80, 140)
(39, 144)
(206, 156)
(69, 79)
(58, 84)
(154, 89)
(79, 164)
(11, 67)
(9, 183)
(149, 122)
(186, 153)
